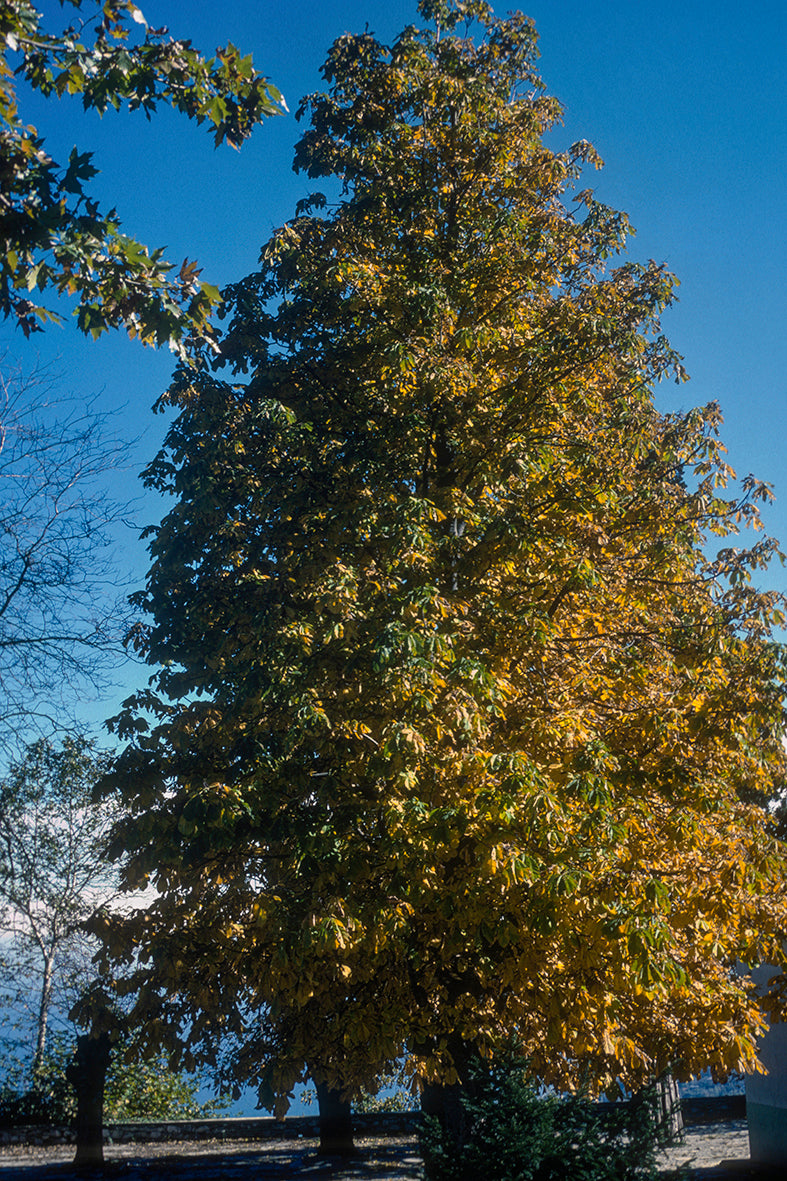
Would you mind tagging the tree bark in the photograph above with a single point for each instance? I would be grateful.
(87, 1074)
(665, 1106)
(336, 1124)
(445, 1102)
(669, 1117)
(43, 1012)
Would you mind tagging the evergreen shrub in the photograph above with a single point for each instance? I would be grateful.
(512, 1133)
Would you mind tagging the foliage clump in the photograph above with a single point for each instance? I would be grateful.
(39, 1096)
(149, 1090)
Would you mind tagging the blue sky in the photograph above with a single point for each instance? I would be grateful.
(684, 101)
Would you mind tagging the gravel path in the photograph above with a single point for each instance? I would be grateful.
(706, 1147)
(717, 1151)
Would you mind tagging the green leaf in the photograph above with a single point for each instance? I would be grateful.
(211, 292)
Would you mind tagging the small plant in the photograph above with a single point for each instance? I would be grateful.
(512, 1133)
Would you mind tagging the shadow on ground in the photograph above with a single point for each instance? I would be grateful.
(383, 1163)
(390, 1160)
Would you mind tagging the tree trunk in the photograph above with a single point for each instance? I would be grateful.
(669, 1117)
(87, 1074)
(336, 1124)
(43, 1013)
(664, 1098)
(446, 1101)
(445, 1104)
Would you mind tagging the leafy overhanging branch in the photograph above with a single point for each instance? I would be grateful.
(53, 234)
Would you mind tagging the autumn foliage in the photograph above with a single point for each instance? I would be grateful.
(464, 706)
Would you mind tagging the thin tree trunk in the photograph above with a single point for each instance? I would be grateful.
(43, 1013)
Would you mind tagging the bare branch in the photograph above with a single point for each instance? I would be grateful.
(62, 615)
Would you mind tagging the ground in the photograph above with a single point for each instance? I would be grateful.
(720, 1151)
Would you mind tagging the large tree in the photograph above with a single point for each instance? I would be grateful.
(53, 233)
(463, 709)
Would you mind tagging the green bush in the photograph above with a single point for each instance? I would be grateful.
(151, 1091)
(45, 1097)
(511, 1133)
(133, 1091)
(49, 1102)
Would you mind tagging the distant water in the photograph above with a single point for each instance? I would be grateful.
(705, 1086)
(247, 1104)
(247, 1107)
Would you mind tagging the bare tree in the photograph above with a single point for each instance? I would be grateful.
(61, 616)
(53, 877)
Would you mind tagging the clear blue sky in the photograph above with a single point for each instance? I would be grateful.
(684, 101)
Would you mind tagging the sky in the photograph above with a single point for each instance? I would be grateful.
(684, 102)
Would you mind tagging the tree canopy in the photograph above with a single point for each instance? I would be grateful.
(52, 232)
(464, 704)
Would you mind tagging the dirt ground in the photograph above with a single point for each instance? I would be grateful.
(720, 1151)
(390, 1159)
